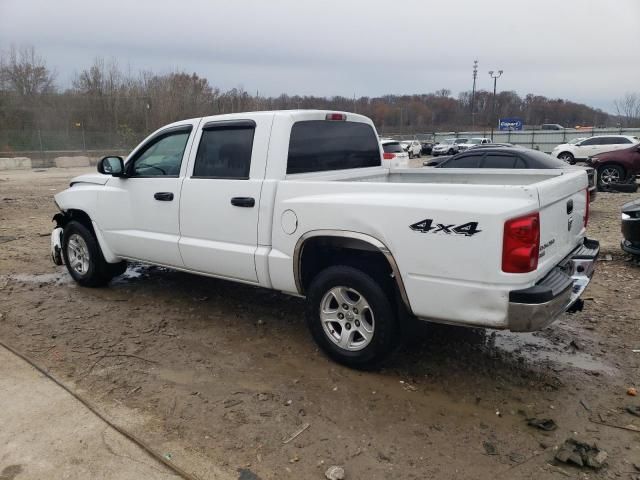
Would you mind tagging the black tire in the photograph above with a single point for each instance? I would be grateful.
(98, 272)
(607, 175)
(450, 152)
(567, 157)
(385, 319)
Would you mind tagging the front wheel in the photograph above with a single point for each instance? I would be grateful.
(609, 174)
(351, 317)
(84, 259)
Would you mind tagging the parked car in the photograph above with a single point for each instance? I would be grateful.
(427, 147)
(473, 142)
(618, 166)
(299, 202)
(592, 146)
(551, 126)
(509, 156)
(412, 147)
(394, 155)
(449, 146)
(631, 227)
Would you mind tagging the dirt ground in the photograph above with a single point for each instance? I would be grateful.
(218, 375)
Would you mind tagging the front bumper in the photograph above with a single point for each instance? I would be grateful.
(536, 307)
(56, 246)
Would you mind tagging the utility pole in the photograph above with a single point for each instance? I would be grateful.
(495, 77)
(473, 95)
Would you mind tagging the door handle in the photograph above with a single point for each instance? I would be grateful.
(163, 196)
(243, 202)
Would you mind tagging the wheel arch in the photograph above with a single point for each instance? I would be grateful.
(342, 240)
(79, 215)
(626, 172)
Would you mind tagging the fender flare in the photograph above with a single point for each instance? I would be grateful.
(374, 242)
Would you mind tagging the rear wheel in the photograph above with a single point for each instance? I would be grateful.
(450, 152)
(351, 317)
(566, 157)
(609, 174)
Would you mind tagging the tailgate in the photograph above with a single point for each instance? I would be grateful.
(563, 206)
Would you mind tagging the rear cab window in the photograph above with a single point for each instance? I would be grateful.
(322, 145)
(392, 147)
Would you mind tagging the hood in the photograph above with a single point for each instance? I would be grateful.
(94, 178)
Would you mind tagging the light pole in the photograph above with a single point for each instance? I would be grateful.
(495, 77)
(473, 95)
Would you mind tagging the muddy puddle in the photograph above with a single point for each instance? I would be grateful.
(535, 348)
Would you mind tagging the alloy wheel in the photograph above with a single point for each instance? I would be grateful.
(347, 318)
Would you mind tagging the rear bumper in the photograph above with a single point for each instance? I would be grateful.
(536, 307)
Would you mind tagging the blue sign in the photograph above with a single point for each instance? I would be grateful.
(510, 124)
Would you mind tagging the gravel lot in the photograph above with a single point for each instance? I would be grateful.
(218, 374)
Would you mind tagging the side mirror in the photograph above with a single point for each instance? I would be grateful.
(113, 166)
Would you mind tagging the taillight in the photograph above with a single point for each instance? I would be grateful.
(586, 210)
(521, 244)
(341, 117)
(388, 156)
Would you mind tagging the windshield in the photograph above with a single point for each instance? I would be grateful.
(575, 140)
(475, 141)
(461, 140)
(448, 141)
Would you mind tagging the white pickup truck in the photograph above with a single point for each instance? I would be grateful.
(298, 201)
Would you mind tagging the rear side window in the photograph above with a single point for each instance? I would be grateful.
(321, 145)
(616, 140)
(469, 161)
(394, 147)
(224, 152)
(492, 160)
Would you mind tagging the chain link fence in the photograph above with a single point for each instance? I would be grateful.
(543, 140)
(14, 142)
(72, 140)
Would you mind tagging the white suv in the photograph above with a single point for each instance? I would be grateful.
(448, 146)
(394, 155)
(570, 152)
(412, 147)
(473, 142)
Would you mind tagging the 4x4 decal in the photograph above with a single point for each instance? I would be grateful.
(426, 226)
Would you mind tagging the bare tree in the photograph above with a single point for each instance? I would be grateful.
(628, 108)
(25, 73)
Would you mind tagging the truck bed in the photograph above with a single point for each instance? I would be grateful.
(499, 177)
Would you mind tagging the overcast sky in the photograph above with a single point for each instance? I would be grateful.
(583, 50)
